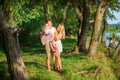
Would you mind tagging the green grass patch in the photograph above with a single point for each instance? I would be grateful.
(75, 66)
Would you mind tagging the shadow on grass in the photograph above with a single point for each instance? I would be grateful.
(35, 64)
(4, 75)
(33, 49)
(76, 56)
(68, 44)
(32, 66)
(32, 45)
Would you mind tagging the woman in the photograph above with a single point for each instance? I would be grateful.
(59, 34)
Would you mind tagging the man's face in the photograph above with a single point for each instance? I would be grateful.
(49, 23)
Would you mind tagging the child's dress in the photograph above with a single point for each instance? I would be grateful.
(47, 36)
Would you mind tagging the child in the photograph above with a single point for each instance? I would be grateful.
(44, 35)
(47, 35)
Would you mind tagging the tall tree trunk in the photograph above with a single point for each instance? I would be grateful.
(103, 39)
(97, 28)
(64, 13)
(11, 47)
(11, 19)
(117, 49)
(78, 10)
(8, 13)
(46, 10)
(85, 26)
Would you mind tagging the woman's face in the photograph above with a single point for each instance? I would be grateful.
(58, 28)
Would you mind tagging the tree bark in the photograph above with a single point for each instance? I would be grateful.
(78, 10)
(8, 12)
(97, 28)
(103, 39)
(85, 27)
(11, 47)
(64, 13)
(46, 10)
(117, 49)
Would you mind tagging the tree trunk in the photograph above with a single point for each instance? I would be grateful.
(8, 13)
(97, 28)
(78, 11)
(85, 26)
(64, 13)
(11, 47)
(11, 19)
(46, 10)
(103, 39)
(117, 50)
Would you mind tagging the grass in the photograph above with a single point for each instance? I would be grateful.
(75, 66)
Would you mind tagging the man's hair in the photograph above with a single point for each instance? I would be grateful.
(47, 20)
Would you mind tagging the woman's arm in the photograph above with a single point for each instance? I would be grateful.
(57, 36)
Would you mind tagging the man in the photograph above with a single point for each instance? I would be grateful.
(47, 35)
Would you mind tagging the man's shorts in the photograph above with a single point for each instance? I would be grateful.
(48, 50)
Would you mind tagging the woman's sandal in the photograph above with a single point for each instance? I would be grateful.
(55, 68)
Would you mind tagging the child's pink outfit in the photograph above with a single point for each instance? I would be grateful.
(53, 46)
(47, 36)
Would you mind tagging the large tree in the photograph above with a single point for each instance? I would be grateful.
(103, 39)
(65, 11)
(117, 49)
(83, 15)
(9, 40)
(82, 38)
(97, 28)
(78, 10)
(46, 10)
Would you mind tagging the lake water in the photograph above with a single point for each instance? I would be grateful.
(109, 35)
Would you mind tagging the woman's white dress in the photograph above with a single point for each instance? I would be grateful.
(59, 45)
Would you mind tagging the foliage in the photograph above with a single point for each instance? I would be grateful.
(25, 11)
(71, 23)
(114, 29)
(117, 67)
(114, 6)
(29, 15)
(22, 10)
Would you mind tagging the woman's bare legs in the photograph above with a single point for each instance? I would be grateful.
(59, 66)
(59, 62)
(55, 61)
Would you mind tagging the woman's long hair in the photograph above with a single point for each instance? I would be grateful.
(62, 30)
